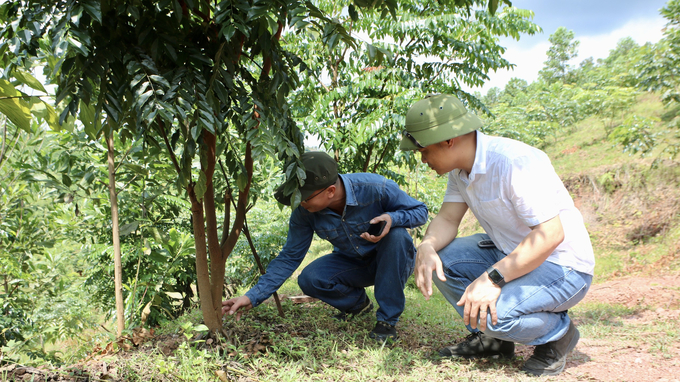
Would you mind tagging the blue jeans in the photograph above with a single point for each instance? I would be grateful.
(532, 309)
(339, 279)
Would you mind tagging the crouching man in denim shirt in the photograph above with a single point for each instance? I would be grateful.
(340, 209)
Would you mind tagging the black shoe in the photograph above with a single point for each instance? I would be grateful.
(366, 307)
(480, 345)
(383, 332)
(550, 358)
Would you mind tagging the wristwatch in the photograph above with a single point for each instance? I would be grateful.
(496, 277)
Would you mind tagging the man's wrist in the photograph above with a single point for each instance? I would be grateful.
(424, 245)
(495, 276)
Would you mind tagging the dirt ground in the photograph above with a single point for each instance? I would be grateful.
(619, 357)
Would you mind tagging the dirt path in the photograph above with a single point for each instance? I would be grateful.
(640, 346)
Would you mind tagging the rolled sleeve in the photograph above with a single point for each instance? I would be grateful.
(404, 210)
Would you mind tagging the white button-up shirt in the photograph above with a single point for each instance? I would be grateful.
(512, 187)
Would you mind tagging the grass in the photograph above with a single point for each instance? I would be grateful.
(620, 193)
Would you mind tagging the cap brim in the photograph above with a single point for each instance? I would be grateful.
(460, 126)
(407, 145)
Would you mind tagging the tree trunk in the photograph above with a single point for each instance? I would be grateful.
(118, 264)
(205, 294)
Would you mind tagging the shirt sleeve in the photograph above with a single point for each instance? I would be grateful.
(300, 234)
(452, 193)
(404, 210)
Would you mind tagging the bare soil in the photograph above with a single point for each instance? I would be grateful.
(626, 357)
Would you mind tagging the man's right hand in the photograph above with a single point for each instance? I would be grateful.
(427, 262)
(233, 305)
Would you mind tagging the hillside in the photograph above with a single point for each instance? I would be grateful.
(628, 321)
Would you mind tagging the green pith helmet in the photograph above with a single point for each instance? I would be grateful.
(435, 119)
(321, 170)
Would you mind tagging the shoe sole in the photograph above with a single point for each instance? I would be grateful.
(572, 345)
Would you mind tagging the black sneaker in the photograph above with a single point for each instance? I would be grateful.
(480, 345)
(366, 307)
(550, 358)
(383, 332)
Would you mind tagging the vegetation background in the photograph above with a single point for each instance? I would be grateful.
(222, 104)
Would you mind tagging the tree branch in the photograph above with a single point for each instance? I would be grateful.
(161, 128)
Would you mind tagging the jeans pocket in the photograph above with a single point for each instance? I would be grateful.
(579, 286)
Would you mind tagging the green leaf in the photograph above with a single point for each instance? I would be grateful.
(42, 109)
(87, 117)
(66, 180)
(201, 186)
(28, 80)
(241, 181)
(14, 107)
(353, 14)
(493, 6)
(127, 229)
(94, 10)
(177, 10)
(136, 169)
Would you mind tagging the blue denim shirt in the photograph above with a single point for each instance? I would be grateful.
(367, 196)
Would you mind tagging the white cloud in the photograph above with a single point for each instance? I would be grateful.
(529, 60)
(642, 31)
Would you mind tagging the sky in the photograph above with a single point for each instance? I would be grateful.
(597, 24)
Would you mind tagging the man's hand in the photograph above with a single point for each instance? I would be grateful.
(374, 239)
(233, 305)
(427, 262)
(480, 297)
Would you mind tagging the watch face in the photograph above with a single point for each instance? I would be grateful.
(495, 276)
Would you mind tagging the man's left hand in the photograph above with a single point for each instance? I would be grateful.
(374, 239)
(479, 298)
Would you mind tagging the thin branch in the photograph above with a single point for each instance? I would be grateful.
(161, 127)
(8, 152)
(126, 184)
(246, 231)
(382, 156)
(124, 157)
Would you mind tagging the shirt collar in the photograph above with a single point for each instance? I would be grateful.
(350, 197)
(479, 167)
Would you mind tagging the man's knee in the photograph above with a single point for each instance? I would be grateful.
(399, 234)
(397, 242)
(306, 281)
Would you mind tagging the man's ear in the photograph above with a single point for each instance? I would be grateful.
(450, 142)
(331, 191)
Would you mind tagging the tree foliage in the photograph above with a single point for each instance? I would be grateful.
(354, 96)
(562, 49)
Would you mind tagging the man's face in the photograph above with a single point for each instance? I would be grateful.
(435, 156)
(317, 201)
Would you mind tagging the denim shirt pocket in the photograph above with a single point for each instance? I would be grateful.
(361, 227)
(328, 234)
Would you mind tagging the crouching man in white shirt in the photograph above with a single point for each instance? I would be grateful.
(515, 282)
